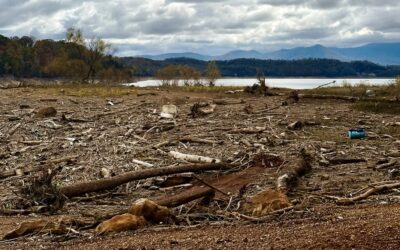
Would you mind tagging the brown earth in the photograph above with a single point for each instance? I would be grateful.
(110, 136)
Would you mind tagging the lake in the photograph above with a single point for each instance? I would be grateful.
(293, 83)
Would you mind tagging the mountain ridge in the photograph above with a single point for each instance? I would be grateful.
(380, 53)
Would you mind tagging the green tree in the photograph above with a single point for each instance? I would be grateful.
(91, 52)
(213, 73)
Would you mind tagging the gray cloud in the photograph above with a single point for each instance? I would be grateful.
(208, 26)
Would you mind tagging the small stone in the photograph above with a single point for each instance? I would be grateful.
(173, 242)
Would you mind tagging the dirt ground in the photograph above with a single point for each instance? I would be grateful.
(104, 135)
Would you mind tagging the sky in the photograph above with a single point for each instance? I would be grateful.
(213, 27)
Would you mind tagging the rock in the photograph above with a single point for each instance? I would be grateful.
(169, 111)
(46, 112)
(24, 106)
(248, 109)
(266, 202)
(105, 173)
(151, 211)
(297, 125)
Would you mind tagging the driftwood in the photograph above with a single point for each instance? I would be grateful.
(223, 102)
(289, 179)
(14, 129)
(338, 161)
(325, 84)
(202, 109)
(255, 130)
(184, 197)
(211, 186)
(234, 91)
(193, 158)
(199, 140)
(143, 163)
(369, 192)
(391, 163)
(336, 97)
(109, 183)
(43, 164)
(265, 217)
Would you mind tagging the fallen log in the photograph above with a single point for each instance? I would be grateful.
(338, 161)
(335, 97)
(289, 179)
(184, 197)
(115, 181)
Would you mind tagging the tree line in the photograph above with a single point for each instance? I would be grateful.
(173, 73)
(88, 60)
(74, 58)
(271, 68)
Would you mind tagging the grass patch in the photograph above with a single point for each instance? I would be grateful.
(201, 89)
(82, 90)
(359, 90)
(378, 107)
(323, 134)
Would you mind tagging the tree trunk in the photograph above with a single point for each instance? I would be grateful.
(110, 183)
(184, 197)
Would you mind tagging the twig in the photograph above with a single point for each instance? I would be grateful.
(264, 218)
(369, 192)
(210, 186)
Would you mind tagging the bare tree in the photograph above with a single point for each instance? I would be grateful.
(213, 73)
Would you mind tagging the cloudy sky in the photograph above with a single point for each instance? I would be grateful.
(206, 26)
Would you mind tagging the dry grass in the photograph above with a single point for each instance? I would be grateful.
(359, 90)
(378, 107)
(83, 90)
(201, 89)
(323, 134)
(345, 89)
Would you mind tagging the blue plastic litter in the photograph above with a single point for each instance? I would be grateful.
(356, 133)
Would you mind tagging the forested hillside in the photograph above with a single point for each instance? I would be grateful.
(274, 68)
(72, 58)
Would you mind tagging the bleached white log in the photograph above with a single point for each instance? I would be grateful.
(193, 158)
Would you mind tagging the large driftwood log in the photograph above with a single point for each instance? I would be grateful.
(336, 97)
(184, 197)
(109, 183)
(289, 179)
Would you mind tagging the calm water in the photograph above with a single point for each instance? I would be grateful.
(293, 83)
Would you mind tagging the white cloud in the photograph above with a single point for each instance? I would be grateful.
(208, 26)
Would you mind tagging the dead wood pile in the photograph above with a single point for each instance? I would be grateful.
(228, 159)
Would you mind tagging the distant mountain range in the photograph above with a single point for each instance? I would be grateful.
(381, 53)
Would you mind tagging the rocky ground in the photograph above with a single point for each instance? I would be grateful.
(92, 138)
